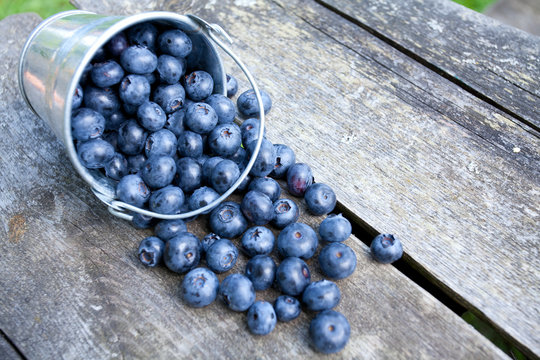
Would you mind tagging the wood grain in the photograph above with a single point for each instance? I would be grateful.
(7, 352)
(497, 60)
(71, 283)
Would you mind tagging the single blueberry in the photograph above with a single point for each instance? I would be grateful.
(261, 270)
(239, 156)
(200, 287)
(86, 74)
(170, 97)
(167, 229)
(320, 199)
(287, 308)
(117, 44)
(190, 144)
(337, 260)
(264, 164)
(224, 174)
(299, 178)
(257, 207)
(166, 200)
(221, 255)
(175, 121)
(227, 220)
(95, 153)
(161, 142)
(140, 221)
(285, 212)
(175, 42)
(135, 163)
(188, 174)
(223, 106)
(106, 73)
(297, 239)
(132, 190)
(158, 171)
(77, 99)
(237, 292)
(249, 106)
(208, 240)
(321, 295)
(134, 90)
(182, 252)
(199, 85)
(104, 101)
(202, 197)
(86, 124)
(100, 55)
(386, 249)
(232, 85)
(335, 228)
(285, 157)
(151, 116)
(151, 251)
(329, 331)
(138, 60)
(250, 130)
(144, 34)
(261, 318)
(258, 240)
(224, 140)
(200, 118)
(292, 276)
(117, 167)
(170, 69)
(207, 168)
(131, 137)
(267, 186)
(114, 121)
(112, 138)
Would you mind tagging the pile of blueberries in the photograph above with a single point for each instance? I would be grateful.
(148, 119)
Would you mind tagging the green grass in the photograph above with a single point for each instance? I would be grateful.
(44, 8)
(477, 5)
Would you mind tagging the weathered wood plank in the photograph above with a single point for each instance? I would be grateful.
(497, 60)
(7, 352)
(71, 283)
(408, 152)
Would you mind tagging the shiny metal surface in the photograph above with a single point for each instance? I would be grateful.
(53, 60)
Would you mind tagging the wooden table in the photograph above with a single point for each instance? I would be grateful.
(422, 115)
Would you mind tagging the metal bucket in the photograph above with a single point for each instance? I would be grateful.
(53, 60)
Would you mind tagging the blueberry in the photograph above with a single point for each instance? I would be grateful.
(200, 287)
(151, 77)
(292, 276)
(224, 174)
(207, 168)
(140, 221)
(130, 109)
(287, 308)
(151, 251)
(190, 144)
(337, 260)
(227, 220)
(170, 97)
(77, 99)
(100, 55)
(248, 105)
(208, 240)
(329, 331)
(117, 167)
(335, 228)
(117, 44)
(199, 85)
(250, 130)
(114, 120)
(320, 199)
(225, 139)
(175, 121)
(261, 318)
(285, 212)
(86, 74)
(86, 124)
(134, 90)
(258, 240)
(112, 138)
(239, 156)
(138, 60)
(162, 142)
(202, 197)
(167, 229)
(170, 69)
(166, 200)
(386, 249)
(132, 190)
(188, 174)
(175, 42)
(144, 34)
(237, 292)
(182, 252)
(223, 106)
(267, 186)
(200, 118)
(151, 116)
(299, 178)
(131, 137)
(285, 157)
(104, 101)
(135, 163)
(257, 207)
(321, 295)
(297, 239)
(106, 73)
(158, 171)
(261, 270)
(221, 255)
(95, 153)
(232, 85)
(264, 164)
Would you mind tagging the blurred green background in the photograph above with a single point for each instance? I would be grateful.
(50, 7)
